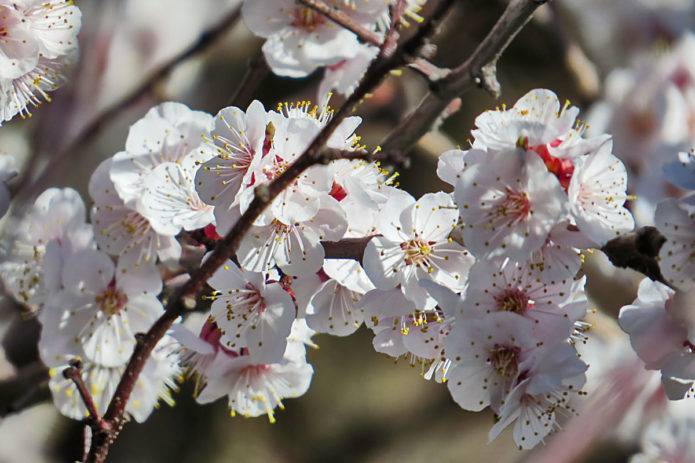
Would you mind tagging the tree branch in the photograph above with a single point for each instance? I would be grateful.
(59, 161)
(363, 34)
(347, 248)
(479, 70)
(74, 374)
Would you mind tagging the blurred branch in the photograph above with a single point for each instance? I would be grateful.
(638, 251)
(479, 70)
(28, 387)
(256, 71)
(27, 189)
(363, 34)
(389, 58)
(583, 71)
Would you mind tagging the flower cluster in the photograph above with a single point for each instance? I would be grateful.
(300, 39)
(39, 42)
(659, 321)
(477, 287)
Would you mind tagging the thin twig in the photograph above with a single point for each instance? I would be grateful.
(59, 161)
(479, 70)
(256, 71)
(397, 159)
(74, 374)
(342, 19)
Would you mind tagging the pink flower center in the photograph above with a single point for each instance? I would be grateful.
(253, 299)
(111, 301)
(505, 360)
(516, 206)
(307, 19)
(513, 300)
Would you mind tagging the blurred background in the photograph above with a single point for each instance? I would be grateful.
(361, 406)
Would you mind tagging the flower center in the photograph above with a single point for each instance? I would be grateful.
(513, 300)
(516, 205)
(505, 360)
(417, 251)
(112, 300)
(307, 19)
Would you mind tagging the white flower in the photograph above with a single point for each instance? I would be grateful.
(533, 403)
(39, 42)
(154, 383)
(596, 194)
(237, 144)
(300, 39)
(167, 133)
(486, 356)
(295, 248)
(254, 389)
(101, 307)
(537, 119)
(55, 227)
(122, 231)
(559, 258)
(509, 202)
(654, 334)
(251, 313)
(676, 220)
(506, 286)
(170, 201)
(400, 329)
(658, 323)
(333, 309)
(415, 245)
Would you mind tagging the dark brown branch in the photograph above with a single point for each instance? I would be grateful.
(638, 250)
(185, 297)
(59, 161)
(478, 71)
(347, 248)
(363, 34)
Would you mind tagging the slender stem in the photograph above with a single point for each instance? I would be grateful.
(342, 19)
(479, 70)
(60, 160)
(74, 374)
(256, 71)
